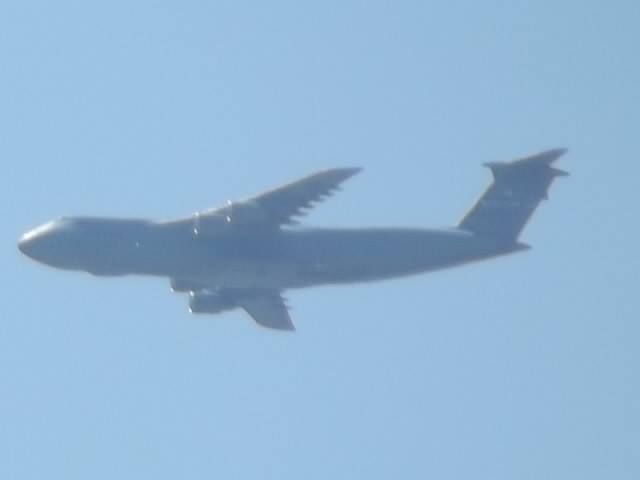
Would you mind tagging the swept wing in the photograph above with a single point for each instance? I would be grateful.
(277, 207)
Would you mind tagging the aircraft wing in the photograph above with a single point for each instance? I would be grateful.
(268, 309)
(282, 204)
(274, 208)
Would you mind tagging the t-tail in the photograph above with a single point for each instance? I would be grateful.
(518, 187)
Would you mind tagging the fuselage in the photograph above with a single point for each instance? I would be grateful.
(252, 259)
(245, 254)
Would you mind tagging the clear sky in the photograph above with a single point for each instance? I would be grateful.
(523, 367)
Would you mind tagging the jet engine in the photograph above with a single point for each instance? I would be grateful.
(210, 303)
(231, 217)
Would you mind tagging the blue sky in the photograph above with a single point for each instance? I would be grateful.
(524, 367)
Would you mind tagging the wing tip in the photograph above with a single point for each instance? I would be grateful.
(344, 172)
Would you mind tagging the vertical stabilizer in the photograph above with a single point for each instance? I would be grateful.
(518, 188)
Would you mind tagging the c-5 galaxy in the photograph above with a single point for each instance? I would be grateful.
(245, 254)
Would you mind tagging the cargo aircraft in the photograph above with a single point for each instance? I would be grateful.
(246, 254)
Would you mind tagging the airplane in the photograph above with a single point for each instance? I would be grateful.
(246, 254)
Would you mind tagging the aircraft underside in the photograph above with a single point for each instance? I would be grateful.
(296, 259)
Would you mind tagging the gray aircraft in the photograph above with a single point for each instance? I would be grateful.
(245, 254)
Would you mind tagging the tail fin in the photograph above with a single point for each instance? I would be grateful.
(518, 188)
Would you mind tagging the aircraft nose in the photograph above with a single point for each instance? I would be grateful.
(35, 243)
(25, 245)
(51, 244)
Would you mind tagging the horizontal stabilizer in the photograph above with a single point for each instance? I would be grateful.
(531, 166)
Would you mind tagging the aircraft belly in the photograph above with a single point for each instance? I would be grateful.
(375, 254)
(359, 270)
(316, 257)
(244, 275)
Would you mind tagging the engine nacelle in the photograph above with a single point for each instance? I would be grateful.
(223, 220)
(210, 303)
